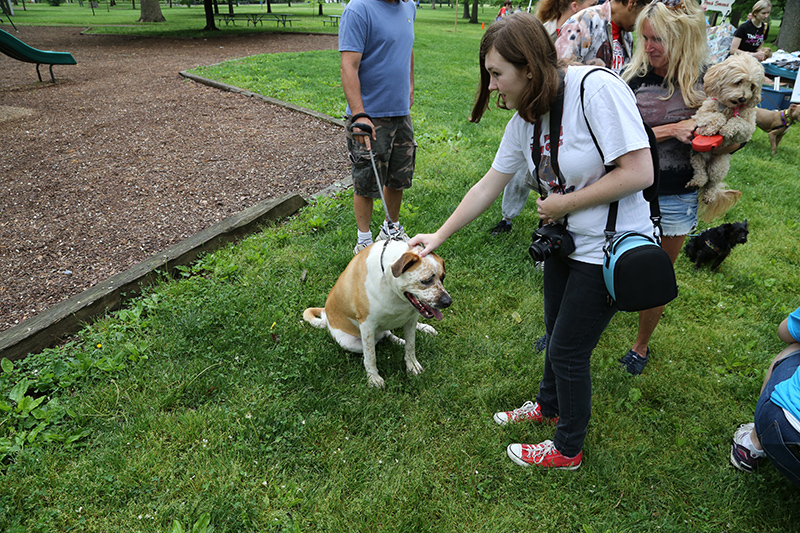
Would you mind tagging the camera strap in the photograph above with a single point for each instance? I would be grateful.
(556, 112)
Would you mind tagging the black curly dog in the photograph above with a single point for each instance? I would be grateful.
(715, 244)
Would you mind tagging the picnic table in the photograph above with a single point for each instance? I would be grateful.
(281, 18)
(227, 18)
(333, 20)
(256, 18)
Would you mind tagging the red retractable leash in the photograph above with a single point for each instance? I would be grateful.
(706, 143)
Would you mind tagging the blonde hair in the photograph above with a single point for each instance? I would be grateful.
(761, 5)
(682, 31)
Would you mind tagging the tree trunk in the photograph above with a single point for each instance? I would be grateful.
(208, 7)
(320, 9)
(433, 4)
(474, 18)
(466, 9)
(789, 34)
(151, 11)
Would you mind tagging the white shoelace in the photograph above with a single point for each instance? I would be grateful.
(542, 450)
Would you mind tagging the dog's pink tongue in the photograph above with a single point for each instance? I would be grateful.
(437, 314)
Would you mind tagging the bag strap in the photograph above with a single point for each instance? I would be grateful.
(650, 193)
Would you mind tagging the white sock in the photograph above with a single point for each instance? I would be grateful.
(748, 442)
(365, 236)
(386, 225)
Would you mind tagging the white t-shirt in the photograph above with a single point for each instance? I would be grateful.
(617, 125)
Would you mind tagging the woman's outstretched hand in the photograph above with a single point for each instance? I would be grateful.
(429, 242)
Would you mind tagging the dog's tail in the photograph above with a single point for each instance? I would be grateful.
(316, 317)
(724, 201)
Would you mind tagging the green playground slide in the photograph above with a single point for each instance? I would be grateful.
(14, 48)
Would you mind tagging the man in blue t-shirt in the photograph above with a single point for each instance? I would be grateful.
(376, 40)
(776, 431)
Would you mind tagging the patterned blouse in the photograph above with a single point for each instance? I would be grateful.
(588, 35)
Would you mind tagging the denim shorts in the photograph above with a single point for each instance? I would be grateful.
(678, 213)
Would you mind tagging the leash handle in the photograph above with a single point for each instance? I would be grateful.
(366, 129)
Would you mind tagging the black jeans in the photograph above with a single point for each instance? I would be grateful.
(577, 310)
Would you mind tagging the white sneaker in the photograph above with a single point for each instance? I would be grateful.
(360, 246)
(399, 234)
(743, 456)
(529, 411)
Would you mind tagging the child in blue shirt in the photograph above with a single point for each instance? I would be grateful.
(775, 433)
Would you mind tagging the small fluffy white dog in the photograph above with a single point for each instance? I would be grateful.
(733, 90)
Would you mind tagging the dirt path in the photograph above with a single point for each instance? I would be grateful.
(122, 157)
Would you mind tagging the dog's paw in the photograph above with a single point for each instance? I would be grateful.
(376, 381)
(698, 181)
(395, 339)
(427, 328)
(413, 367)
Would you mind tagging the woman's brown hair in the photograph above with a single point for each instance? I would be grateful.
(522, 41)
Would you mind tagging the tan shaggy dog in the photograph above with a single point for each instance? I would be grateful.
(733, 90)
(386, 286)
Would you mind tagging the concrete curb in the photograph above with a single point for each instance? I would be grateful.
(52, 325)
(230, 88)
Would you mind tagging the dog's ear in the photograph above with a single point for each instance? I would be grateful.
(755, 91)
(406, 261)
(711, 80)
(756, 75)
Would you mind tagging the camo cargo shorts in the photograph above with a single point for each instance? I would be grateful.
(395, 154)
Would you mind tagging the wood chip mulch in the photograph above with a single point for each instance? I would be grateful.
(122, 157)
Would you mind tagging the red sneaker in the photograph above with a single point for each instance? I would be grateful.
(529, 411)
(543, 455)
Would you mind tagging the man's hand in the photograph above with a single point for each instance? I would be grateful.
(364, 139)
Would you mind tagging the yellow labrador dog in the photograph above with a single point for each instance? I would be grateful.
(385, 286)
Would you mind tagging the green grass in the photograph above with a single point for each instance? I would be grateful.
(181, 21)
(210, 399)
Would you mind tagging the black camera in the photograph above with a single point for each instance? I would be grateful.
(549, 239)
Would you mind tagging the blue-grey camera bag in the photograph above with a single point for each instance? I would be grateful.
(638, 273)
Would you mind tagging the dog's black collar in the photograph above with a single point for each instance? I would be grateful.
(383, 252)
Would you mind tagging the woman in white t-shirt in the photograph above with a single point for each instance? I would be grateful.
(518, 60)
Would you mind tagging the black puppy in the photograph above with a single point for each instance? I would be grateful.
(715, 244)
